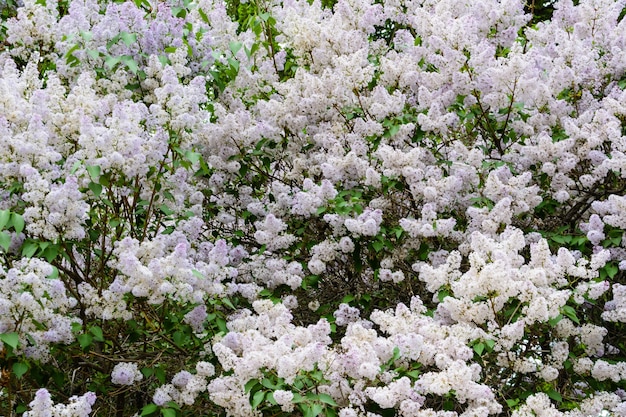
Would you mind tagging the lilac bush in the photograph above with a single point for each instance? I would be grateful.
(342, 208)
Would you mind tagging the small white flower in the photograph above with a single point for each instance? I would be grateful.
(205, 369)
(126, 373)
(283, 397)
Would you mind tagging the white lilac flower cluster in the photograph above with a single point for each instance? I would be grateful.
(59, 213)
(312, 197)
(355, 367)
(126, 373)
(266, 340)
(162, 268)
(615, 310)
(78, 406)
(366, 224)
(185, 386)
(416, 206)
(269, 233)
(37, 307)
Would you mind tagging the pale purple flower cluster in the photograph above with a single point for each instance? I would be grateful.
(126, 373)
(195, 318)
(77, 406)
(37, 307)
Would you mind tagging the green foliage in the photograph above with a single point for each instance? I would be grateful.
(541, 10)
(9, 220)
(306, 399)
(223, 71)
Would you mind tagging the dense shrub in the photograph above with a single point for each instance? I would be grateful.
(398, 208)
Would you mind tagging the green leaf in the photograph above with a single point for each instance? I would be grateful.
(94, 54)
(166, 210)
(269, 384)
(555, 395)
(571, 313)
(250, 384)
(4, 218)
(192, 157)
(490, 344)
(396, 354)
(257, 398)
(611, 269)
(164, 60)
(378, 245)
(554, 321)
(414, 374)
(10, 339)
(5, 241)
(128, 38)
(160, 375)
(112, 61)
(149, 409)
(235, 47)
(348, 298)
(221, 324)
(76, 327)
(54, 274)
(18, 222)
(197, 274)
(228, 303)
(173, 405)
(19, 369)
(130, 63)
(203, 16)
(316, 409)
(94, 171)
(75, 167)
(85, 340)
(179, 12)
(168, 412)
(178, 338)
(169, 196)
(86, 35)
(561, 239)
(234, 64)
(512, 402)
(255, 47)
(393, 130)
(69, 55)
(95, 188)
(96, 331)
(327, 399)
(29, 249)
(317, 375)
(50, 253)
(479, 348)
